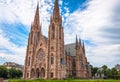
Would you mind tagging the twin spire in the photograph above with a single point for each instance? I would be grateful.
(56, 14)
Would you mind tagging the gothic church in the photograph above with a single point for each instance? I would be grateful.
(49, 58)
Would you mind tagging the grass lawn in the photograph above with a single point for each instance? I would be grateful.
(69, 80)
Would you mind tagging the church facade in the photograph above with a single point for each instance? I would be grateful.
(49, 58)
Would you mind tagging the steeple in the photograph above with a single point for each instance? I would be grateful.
(77, 44)
(83, 47)
(36, 18)
(56, 13)
(80, 42)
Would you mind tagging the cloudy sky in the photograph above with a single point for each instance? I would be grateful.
(97, 22)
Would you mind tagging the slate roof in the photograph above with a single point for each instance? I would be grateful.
(70, 48)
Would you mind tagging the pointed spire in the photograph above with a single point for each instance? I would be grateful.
(76, 39)
(76, 45)
(56, 13)
(80, 41)
(36, 18)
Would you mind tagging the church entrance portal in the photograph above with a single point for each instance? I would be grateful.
(32, 73)
(37, 73)
(42, 73)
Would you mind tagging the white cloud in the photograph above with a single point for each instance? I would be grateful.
(103, 54)
(89, 21)
(11, 52)
(20, 11)
(86, 23)
(17, 11)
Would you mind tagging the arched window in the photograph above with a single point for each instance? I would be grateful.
(42, 73)
(27, 75)
(29, 61)
(60, 33)
(37, 72)
(53, 31)
(61, 60)
(73, 63)
(32, 73)
(52, 59)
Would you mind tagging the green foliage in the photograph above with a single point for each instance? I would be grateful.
(104, 67)
(13, 73)
(108, 73)
(75, 80)
(94, 70)
(3, 72)
(9, 73)
(119, 72)
(114, 71)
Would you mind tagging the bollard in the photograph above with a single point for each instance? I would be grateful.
(1, 79)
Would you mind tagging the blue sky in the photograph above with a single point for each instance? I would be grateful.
(97, 22)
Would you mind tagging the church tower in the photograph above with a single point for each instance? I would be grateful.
(33, 40)
(56, 45)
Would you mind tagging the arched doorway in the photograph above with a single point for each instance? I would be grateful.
(37, 73)
(32, 73)
(42, 73)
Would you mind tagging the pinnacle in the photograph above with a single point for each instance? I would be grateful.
(56, 13)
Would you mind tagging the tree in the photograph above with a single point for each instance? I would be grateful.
(3, 72)
(19, 73)
(119, 72)
(109, 73)
(105, 70)
(104, 67)
(94, 70)
(114, 71)
(13, 73)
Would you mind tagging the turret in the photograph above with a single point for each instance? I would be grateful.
(77, 43)
(80, 42)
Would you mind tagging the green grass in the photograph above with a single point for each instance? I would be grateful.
(69, 80)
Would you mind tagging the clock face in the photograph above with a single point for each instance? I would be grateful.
(41, 55)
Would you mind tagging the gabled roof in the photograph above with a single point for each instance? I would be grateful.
(70, 48)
